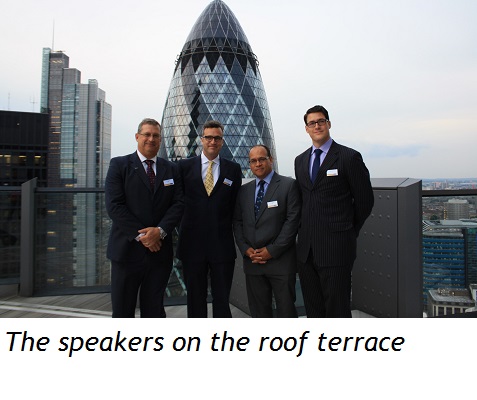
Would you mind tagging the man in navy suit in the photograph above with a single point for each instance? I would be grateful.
(206, 243)
(266, 221)
(337, 197)
(144, 201)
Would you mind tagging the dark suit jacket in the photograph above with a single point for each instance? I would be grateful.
(275, 227)
(334, 208)
(132, 205)
(206, 228)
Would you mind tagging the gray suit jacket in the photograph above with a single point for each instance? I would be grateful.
(275, 227)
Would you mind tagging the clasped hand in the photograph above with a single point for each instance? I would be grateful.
(151, 239)
(258, 256)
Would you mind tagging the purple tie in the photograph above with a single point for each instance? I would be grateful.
(150, 173)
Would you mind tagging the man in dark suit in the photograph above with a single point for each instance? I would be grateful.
(266, 220)
(206, 243)
(337, 197)
(144, 200)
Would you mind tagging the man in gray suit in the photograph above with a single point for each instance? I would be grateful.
(266, 220)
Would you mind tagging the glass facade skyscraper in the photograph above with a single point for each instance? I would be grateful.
(216, 77)
(449, 255)
(79, 150)
(79, 146)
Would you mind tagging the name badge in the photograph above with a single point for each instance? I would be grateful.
(272, 204)
(332, 172)
(228, 182)
(168, 182)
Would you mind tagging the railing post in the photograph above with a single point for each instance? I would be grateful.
(27, 246)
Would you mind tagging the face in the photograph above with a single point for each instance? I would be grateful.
(211, 149)
(319, 134)
(260, 165)
(148, 140)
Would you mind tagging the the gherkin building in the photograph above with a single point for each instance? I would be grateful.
(216, 77)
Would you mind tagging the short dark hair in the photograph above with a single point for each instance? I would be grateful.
(213, 124)
(148, 121)
(316, 109)
(269, 154)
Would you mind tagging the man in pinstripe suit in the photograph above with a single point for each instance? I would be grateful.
(337, 197)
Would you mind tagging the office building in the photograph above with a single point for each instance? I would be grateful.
(79, 150)
(23, 147)
(443, 302)
(216, 77)
(457, 209)
(23, 156)
(449, 255)
(79, 141)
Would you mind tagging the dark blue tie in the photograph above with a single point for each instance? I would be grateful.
(258, 201)
(316, 165)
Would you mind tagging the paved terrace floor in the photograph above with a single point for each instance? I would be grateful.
(83, 306)
(76, 306)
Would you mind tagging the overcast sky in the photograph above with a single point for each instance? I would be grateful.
(399, 78)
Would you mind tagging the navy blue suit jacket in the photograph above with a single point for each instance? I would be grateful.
(334, 208)
(206, 228)
(132, 205)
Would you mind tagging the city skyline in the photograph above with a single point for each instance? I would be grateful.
(398, 79)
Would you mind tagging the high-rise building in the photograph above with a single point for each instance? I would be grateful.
(79, 139)
(23, 156)
(457, 209)
(79, 150)
(449, 255)
(216, 77)
(23, 147)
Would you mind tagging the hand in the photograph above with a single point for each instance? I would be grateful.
(260, 256)
(151, 239)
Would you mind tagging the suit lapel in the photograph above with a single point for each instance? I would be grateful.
(223, 171)
(197, 174)
(304, 169)
(160, 173)
(139, 170)
(329, 160)
(250, 199)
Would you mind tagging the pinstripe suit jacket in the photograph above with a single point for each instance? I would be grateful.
(334, 208)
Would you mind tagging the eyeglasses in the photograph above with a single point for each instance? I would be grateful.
(149, 136)
(260, 160)
(209, 139)
(320, 122)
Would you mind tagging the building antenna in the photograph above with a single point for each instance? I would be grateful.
(53, 38)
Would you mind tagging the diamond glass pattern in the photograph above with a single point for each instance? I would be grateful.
(216, 77)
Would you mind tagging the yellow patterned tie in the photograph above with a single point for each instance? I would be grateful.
(209, 179)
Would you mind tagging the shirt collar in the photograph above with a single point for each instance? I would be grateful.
(267, 179)
(324, 148)
(142, 158)
(205, 160)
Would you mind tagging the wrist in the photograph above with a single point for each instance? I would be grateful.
(162, 232)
